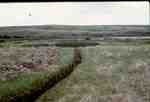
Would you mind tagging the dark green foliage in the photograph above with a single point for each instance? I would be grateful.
(76, 43)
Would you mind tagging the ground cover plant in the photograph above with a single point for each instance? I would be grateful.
(58, 63)
(26, 72)
(112, 73)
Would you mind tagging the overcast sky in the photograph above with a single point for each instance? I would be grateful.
(74, 13)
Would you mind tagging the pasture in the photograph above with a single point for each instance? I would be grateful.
(112, 73)
(57, 63)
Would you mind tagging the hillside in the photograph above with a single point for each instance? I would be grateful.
(68, 32)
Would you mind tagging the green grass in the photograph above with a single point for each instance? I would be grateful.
(26, 85)
(46, 43)
(21, 86)
(15, 43)
(106, 71)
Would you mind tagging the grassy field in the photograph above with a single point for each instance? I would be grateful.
(112, 73)
(22, 84)
(96, 63)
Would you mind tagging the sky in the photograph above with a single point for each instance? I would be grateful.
(74, 13)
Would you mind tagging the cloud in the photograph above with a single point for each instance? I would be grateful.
(74, 13)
